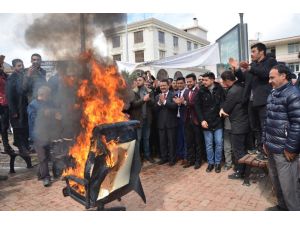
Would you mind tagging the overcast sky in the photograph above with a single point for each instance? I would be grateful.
(13, 26)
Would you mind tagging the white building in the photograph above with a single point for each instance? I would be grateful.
(152, 39)
(286, 50)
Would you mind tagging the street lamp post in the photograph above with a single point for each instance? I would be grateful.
(242, 38)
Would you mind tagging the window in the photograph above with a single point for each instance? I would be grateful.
(195, 46)
(175, 42)
(161, 37)
(189, 45)
(294, 67)
(138, 37)
(162, 54)
(117, 57)
(139, 56)
(293, 48)
(116, 41)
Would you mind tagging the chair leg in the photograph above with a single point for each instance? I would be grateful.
(12, 164)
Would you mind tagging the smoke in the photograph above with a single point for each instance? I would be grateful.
(60, 34)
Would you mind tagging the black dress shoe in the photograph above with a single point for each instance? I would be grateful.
(218, 168)
(187, 165)
(197, 166)
(172, 163)
(150, 159)
(209, 168)
(162, 161)
(235, 176)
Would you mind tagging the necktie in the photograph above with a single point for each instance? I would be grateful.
(178, 108)
(190, 95)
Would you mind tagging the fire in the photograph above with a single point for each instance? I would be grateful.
(100, 104)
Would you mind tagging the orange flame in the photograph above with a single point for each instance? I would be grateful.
(100, 104)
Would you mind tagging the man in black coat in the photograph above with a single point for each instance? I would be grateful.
(4, 113)
(179, 100)
(35, 77)
(141, 109)
(166, 123)
(257, 87)
(238, 116)
(208, 104)
(17, 104)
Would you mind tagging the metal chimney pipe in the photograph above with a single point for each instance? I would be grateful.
(82, 32)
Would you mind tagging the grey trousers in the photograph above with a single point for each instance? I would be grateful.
(43, 154)
(285, 178)
(227, 148)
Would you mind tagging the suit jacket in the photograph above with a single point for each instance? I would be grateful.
(190, 112)
(167, 114)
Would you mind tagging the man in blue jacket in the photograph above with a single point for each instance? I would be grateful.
(281, 138)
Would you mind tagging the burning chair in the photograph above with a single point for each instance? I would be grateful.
(111, 169)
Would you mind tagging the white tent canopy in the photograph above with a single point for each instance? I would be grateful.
(205, 56)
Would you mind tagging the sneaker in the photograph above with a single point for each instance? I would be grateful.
(235, 176)
(261, 157)
(252, 151)
(227, 167)
(46, 182)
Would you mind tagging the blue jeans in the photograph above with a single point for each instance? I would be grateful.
(214, 138)
(143, 135)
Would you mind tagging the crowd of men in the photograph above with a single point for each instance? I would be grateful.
(26, 97)
(252, 107)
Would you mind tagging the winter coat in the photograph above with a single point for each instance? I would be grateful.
(282, 125)
(238, 113)
(208, 106)
(257, 80)
(17, 101)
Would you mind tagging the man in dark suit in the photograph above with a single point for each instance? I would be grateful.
(166, 124)
(238, 115)
(193, 133)
(257, 87)
(17, 104)
(179, 100)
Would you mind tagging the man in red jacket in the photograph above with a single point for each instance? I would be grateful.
(4, 114)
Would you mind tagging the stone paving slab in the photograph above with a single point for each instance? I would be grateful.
(166, 188)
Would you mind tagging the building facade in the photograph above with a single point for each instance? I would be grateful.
(286, 50)
(152, 39)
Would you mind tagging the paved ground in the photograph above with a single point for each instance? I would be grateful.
(166, 188)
